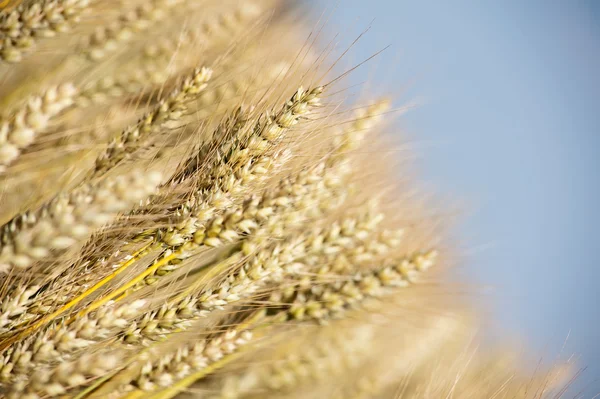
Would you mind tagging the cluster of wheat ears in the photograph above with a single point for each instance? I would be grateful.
(191, 206)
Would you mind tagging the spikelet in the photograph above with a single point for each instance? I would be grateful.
(16, 304)
(192, 207)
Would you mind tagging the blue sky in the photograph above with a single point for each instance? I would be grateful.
(510, 125)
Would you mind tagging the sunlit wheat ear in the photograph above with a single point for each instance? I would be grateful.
(45, 382)
(167, 55)
(364, 120)
(170, 367)
(219, 25)
(349, 358)
(31, 21)
(192, 361)
(169, 110)
(20, 128)
(297, 359)
(135, 21)
(71, 218)
(242, 156)
(62, 342)
(277, 262)
(331, 299)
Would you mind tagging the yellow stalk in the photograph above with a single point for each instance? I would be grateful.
(135, 257)
(94, 386)
(134, 395)
(48, 318)
(210, 272)
(121, 290)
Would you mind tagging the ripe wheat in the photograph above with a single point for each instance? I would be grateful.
(190, 207)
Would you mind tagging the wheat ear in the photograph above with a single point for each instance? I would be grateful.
(71, 218)
(20, 28)
(20, 129)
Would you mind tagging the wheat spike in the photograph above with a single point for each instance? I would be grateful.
(21, 27)
(168, 110)
(20, 129)
(71, 218)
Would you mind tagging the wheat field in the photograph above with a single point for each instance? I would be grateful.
(192, 206)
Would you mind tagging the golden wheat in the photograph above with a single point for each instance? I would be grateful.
(190, 207)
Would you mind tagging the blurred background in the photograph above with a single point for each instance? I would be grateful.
(508, 122)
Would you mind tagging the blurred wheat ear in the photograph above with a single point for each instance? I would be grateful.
(190, 207)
